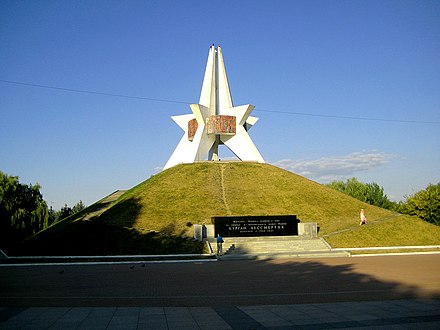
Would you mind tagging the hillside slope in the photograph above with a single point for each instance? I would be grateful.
(172, 201)
(193, 193)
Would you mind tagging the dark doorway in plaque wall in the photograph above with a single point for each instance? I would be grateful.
(249, 226)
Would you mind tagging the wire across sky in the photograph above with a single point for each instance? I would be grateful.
(64, 89)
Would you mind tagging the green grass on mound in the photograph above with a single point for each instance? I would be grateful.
(402, 230)
(193, 193)
(172, 201)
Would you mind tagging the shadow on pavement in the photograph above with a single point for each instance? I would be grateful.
(222, 283)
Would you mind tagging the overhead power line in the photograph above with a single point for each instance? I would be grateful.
(91, 92)
(351, 117)
(183, 102)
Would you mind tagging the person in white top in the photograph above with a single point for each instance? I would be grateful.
(363, 218)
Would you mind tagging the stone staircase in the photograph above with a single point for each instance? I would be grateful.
(272, 247)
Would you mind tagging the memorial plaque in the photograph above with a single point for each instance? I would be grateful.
(219, 124)
(248, 226)
(192, 129)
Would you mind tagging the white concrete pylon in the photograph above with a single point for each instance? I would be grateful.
(215, 120)
(224, 93)
(208, 97)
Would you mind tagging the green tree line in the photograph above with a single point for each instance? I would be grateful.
(24, 212)
(424, 204)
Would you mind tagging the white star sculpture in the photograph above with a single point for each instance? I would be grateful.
(215, 121)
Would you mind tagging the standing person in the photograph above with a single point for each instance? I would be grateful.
(363, 218)
(219, 244)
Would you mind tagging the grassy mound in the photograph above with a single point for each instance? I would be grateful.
(193, 193)
(169, 203)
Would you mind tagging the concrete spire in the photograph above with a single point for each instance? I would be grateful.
(215, 120)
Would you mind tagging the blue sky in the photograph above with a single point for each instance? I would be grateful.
(313, 70)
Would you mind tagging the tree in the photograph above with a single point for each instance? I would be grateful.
(52, 216)
(67, 211)
(370, 193)
(78, 207)
(64, 212)
(376, 196)
(23, 212)
(425, 204)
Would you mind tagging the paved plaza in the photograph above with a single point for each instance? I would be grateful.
(392, 292)
(393, 314)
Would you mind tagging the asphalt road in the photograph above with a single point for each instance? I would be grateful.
(225, 283)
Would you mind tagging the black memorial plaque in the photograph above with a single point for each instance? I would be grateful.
(247, 226)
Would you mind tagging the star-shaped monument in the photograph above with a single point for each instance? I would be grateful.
(215, 120)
